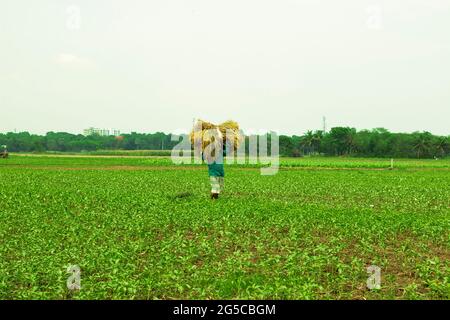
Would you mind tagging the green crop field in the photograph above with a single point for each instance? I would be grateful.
(143, 228)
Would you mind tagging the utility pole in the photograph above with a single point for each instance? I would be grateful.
(324, 120)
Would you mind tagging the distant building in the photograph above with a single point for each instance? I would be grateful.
(101, 132)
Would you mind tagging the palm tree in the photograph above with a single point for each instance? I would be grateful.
(442, 146)
(422, 143)
(317, 140)
(308, 141)
(350, 141)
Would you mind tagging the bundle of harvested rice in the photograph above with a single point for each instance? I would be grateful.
(204, 133)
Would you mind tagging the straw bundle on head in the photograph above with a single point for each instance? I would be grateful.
(228, 131)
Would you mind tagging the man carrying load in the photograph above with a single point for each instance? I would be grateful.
(214, 155)
(210, 142)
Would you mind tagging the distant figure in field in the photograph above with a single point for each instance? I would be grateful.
(4, 152)
(210, 143)
(214, 156)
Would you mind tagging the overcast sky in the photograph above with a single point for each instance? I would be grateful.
(282, 65)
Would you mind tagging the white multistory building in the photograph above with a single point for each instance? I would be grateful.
(101, 132)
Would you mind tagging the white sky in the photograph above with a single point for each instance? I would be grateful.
(151, 66)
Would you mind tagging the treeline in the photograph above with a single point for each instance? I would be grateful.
(345, 141)
(67, 142)
(339, 141)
